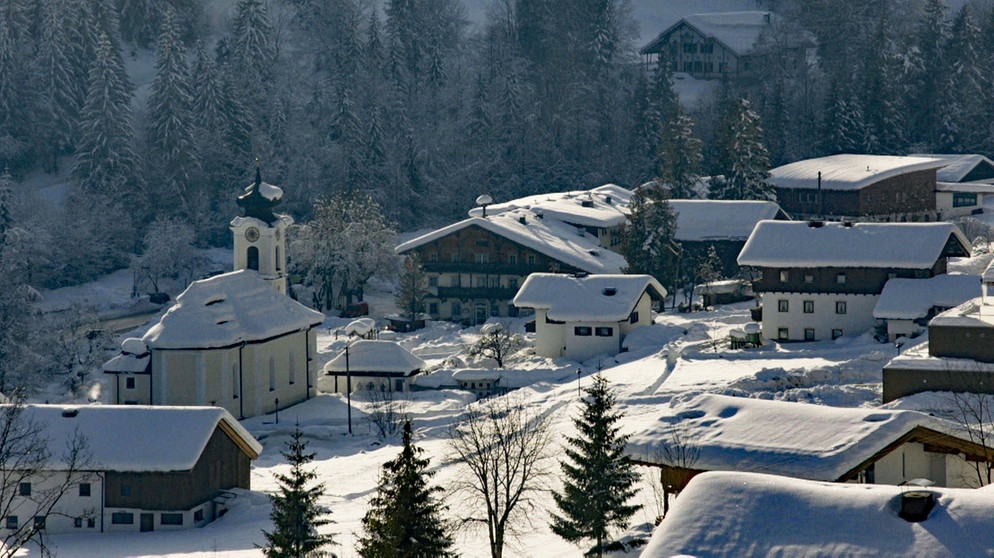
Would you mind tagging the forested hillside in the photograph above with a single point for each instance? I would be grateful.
(421, 110)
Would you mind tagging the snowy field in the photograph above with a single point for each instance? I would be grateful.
(680, 356)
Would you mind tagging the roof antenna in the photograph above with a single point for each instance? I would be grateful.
(484, 200)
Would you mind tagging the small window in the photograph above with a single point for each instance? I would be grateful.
(809, 278)
(783, 305)
(783, 334)
(433, 257)
(604, 332)
(531, 259)
(455, 257)
(12, 522)
(809, 307)
(125, 490)
(198, 516)
(129, 383)
(512, 259)
(581, 331)
(39, 522)
(482, 258)
(433, 281)
(784, 276)
(836, 333)
(512, 283)
(433, 308)
(171, 519)
(77, 522)
(24, 489)
(809, 334)
(84, 489)
(91, 523)
(840, 307)
(840, 279)
(634, 318)
(122, 518)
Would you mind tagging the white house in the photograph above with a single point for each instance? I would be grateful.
(906, 305)
(962, 184)
(235, 340)
(822, 280)
(370, 365)
(581, 316)
(151, 468)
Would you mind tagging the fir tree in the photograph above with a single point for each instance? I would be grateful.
(296, 514)
(599, 478)
(647, 239)
(61, 94)
(405, 516)
(105, 160)
(170, 128)
(679, 154)
(750, 160)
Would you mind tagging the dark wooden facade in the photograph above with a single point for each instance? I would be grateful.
(825, 280)
(222, 465)
(473, 265)
(906, 197)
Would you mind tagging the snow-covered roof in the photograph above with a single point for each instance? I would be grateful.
(965, 187)
(268, 191)
(247, 221)
(606, 206)
(872, 245)
(376, 356)
(794, 439)
(226, 310)
(848, 171)
(964, 315)
(910, 299)
(127, 364)
(551, 237)
(957, 166)
(743, 514)
(137, 438)
(701, 220)
(739, 31)
(569, 298)
(475, 375)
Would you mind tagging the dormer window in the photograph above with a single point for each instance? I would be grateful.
(840, 279)
(784, 276)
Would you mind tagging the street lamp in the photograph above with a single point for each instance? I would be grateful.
(348, 387)
(578, 372)
(277, 402)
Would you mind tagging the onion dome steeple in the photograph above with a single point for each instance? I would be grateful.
(259, 199)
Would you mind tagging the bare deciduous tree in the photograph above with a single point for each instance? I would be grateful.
(387, 411)
(497, 341)
(504, 447)
(678, 453)
(32, 480)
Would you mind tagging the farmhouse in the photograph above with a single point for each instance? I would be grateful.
(152, 468)
(709, 46)
(822, 280)
(474, 267)
(381, 366)
(806, 441)
(582, 316)
(849, 186)
(753, 514)
(726, 225)
(959, 354)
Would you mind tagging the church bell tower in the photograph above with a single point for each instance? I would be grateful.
(260, 235)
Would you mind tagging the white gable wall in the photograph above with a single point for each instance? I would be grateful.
(70, 506)
(911, 461)
(857, 319)
(947, 209)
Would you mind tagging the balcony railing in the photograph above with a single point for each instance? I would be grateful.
(484, 268)
(466, 293)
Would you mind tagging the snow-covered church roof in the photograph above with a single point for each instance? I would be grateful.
(226, 310)
(137, 438)
(739, 31)
(910, 299)
(871, 245)
(702, 220)
(799, 440)
(848, 171)
(603, 207)
(376, 356)
(594, 298)
(558, 240)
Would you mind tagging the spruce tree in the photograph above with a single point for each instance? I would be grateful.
(599, 478)
(745, 178)
(404, 519)
(296, 514)
(647, 240)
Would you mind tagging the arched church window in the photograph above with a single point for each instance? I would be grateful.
(252, 257)
(272, 373)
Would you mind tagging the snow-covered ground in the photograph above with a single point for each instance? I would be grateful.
(682, 355)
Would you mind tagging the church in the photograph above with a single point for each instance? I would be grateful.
(235, 340)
